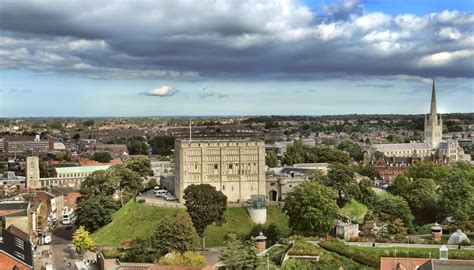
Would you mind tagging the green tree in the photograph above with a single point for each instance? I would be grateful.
(271, 160)
(312, 209)
(457, 194)
(428, 170)
(137, 147)
(102, 157)
(366, 194)
(130, 181)
(140, 251)
(423, 200)
(205, 205)
(238, 254)
(162, 145)
(352, 148)
(186, 259)
(368, 171)
(95, 212)
(400, 185)
(99, 183)
(341, 178)
(295, 153)
(174, 233)
(76, 136)
(389, 207)
(141, 165)
(82, 241)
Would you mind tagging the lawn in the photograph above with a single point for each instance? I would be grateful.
(139, 220)
(371, 256)
(355, 211)
(238, 222)
(327, 259)
(131, 221)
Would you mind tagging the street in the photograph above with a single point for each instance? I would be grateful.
(62, 253)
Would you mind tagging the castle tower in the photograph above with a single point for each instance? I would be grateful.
(433, 124)
(32, 172)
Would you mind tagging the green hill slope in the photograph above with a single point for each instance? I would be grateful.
(139, 220)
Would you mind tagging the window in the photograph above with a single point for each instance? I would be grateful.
(223, 187)
(216, 166)
(19, 243)
(230, 166)
(272, 184)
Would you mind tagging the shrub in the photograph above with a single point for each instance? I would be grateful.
(303, 248)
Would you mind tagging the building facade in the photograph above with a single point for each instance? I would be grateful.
(235, 167)
(433, 146)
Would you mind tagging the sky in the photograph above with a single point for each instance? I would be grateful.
(258, 57)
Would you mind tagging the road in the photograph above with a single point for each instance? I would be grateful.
(62, 253)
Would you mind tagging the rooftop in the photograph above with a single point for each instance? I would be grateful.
(86, 169)
(402, 146)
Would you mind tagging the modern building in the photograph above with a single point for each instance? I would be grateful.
(15, 249)
(235, 167)
(433, 146)
(22, 147)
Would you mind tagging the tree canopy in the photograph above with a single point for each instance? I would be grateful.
(82, 241)
(141, 165)
(312, 208)
(341, 178)
(102, 157)
(205, 205)
(95, 212)
(162, 145)
(99, 183)
(238, 254)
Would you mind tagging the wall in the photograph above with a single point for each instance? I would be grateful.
(7, 263)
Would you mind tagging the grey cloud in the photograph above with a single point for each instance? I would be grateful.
(181, 40)
(375, 85)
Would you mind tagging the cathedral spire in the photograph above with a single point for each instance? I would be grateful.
(433, 101)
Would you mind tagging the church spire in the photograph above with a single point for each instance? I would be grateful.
(433, 101)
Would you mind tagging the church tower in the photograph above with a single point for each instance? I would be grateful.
(433, 123)
(32, 173)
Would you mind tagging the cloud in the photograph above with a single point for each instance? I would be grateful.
(163, 91)
(261, 39)
(375, 85)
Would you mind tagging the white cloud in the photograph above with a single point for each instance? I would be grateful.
(445, 58)
(162, 91)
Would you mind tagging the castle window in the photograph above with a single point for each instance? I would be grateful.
(223, 187)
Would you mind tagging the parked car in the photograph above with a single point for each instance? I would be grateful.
(156, 188)
(48, 266)
(160, 192)
(171, 198)
(47, 239)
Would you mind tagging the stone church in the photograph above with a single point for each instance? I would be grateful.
(432, 148)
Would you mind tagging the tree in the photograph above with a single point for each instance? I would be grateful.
(428, 170)
(129, 181)
(237, 254)
(162, 145)
(137, 147)
(82, 241)
(352, 148)
(389, 207)
(174, 233)
(317, 176)
(341, 178)
(76, 136)
(457, 194)
(366, 194)
(102, 157)
(141, 251)
(99, 183)
(400, 185)
(423, 200)
(397, 229)
(205, 205)
(141, 165)
(368, 171)
(186, 259)
(271, 160)
(312, 209)
(295, 153)
(95, 212)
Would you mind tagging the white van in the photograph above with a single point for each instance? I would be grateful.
(160, 192)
